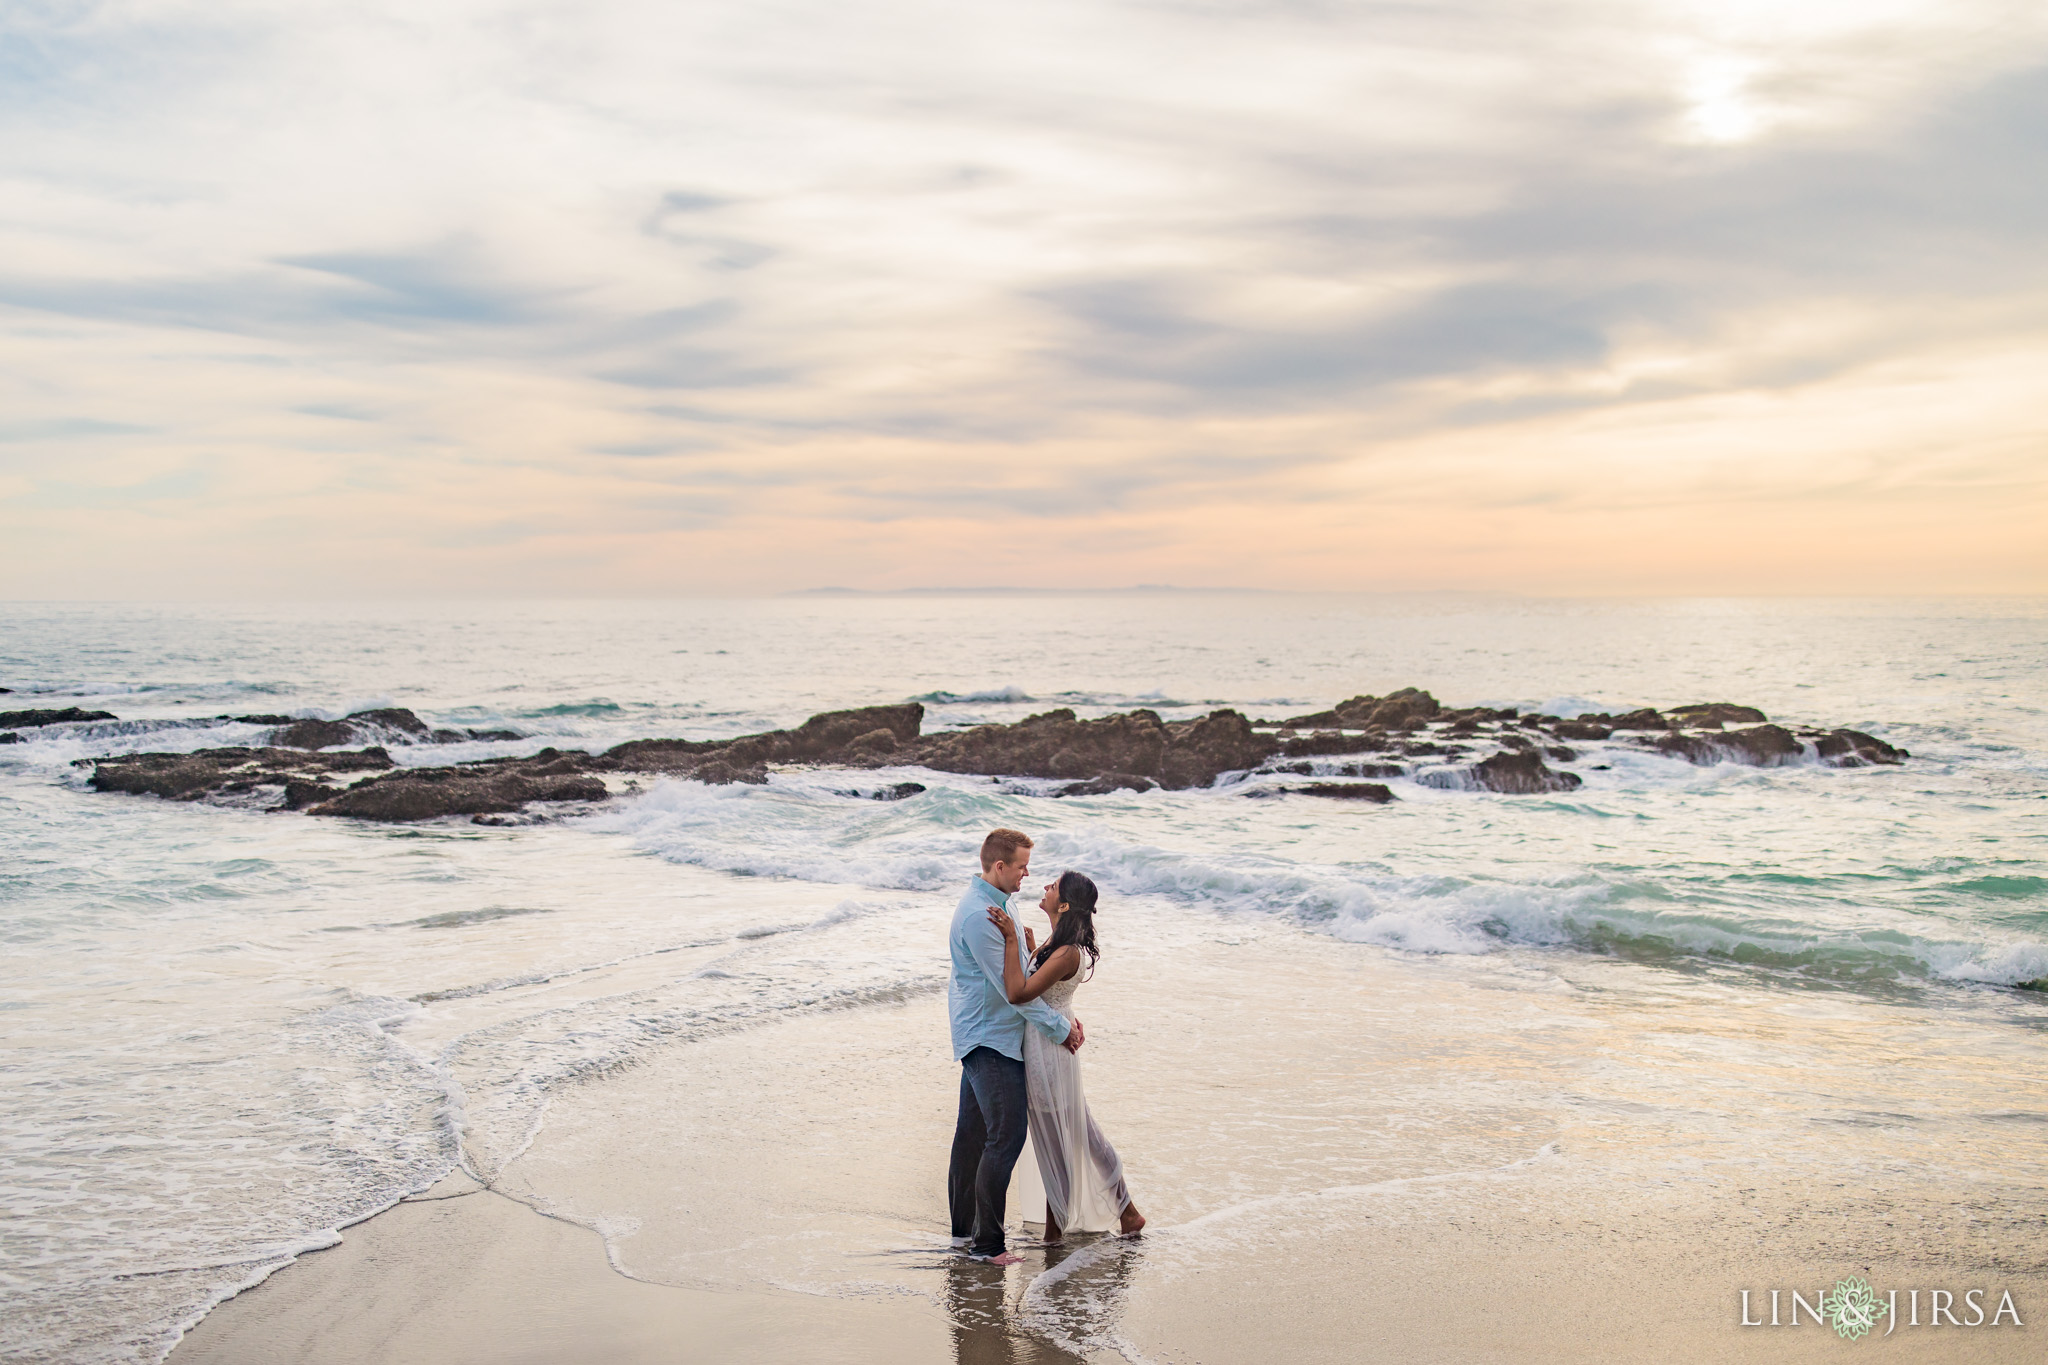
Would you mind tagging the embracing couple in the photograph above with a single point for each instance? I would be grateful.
(1016, 1038)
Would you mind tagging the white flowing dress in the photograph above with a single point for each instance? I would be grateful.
(1083, 1177)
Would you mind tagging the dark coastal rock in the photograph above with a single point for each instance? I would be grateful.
(1517, 772)
(1129, 751)
(1334, 742)
(1176, 755)
(719, 773)
(1762, 746)
(213, 772)
(299, 793)
(902, 791)
(388, 723)
(871, 734)
(1854, 749)
(393, 718)
(29, 720)
(314, 734)
(1712, 715)
(660, 755)
(874, 742)
(1107, 783)
(1472, 717)
(1375, 792)
(429, 793)
(1408, 709)
(9, 737)
(1053, 744)
(259, 720)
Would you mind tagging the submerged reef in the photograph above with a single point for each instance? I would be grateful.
(307, 765)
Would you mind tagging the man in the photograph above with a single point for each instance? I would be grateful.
(988, 1042)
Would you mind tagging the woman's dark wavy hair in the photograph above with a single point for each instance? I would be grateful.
(1077, 925)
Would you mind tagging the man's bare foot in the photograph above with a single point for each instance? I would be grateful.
(1132, 1223)
(1006, 1258)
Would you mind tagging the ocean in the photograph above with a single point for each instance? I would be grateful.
(232, 1031)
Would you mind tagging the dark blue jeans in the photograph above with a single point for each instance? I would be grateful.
(987, 1139)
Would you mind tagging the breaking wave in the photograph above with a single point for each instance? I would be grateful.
(804, 829)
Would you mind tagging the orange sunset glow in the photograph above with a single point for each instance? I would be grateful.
(481, 299)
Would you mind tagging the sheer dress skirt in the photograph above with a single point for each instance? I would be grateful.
(1082, 1174)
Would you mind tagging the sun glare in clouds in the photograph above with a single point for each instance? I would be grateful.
(1719, 107)
(627, 297)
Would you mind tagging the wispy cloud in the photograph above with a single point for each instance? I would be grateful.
(634, 297)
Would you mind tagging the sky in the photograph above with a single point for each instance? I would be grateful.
(636, 298)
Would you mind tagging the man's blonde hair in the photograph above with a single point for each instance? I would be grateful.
(1001, 847)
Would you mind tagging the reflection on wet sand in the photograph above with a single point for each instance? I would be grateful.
(1061, 1310)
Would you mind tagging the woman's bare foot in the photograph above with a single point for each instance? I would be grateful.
(1052, 1227)
(1131, 1223)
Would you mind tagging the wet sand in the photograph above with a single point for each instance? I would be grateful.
(484, 1279)
(1345, 1156)
(456, 1279)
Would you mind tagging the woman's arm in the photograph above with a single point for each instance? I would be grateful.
(1060, 964)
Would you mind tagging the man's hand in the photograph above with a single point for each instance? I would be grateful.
(1003, 923)
(1074, 1038)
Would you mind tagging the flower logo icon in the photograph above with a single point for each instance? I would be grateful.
(1853, 1308)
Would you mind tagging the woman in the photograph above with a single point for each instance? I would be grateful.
(1084, 1180)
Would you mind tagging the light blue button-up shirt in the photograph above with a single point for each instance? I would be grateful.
(980, 1008)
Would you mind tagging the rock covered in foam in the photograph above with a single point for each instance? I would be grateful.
(1513, 772)
(1714, 715)
(1107, 783)
(1854, 749)
(223, 772)
(384, 725)
(1763, 746)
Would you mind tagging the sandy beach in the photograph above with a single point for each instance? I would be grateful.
(1442, 1166)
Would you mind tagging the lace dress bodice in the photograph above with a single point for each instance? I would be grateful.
(1060, 994)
